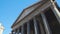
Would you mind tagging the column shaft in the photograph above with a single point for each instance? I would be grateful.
(28, 28)
(55, 11)
(36, 26)
(18, 31)
(47, 29)
(40, 25)
(22, 29)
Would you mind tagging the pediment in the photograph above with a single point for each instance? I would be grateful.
(28, 10)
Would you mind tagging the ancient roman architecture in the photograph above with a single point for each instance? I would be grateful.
(42, 17)
(1, 29)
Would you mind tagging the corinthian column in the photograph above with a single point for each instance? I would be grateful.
(28, 28)
(35, 26)
(47, 29)
(55, 11)
(22, 29)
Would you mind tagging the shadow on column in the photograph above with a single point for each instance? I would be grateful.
(53, 22)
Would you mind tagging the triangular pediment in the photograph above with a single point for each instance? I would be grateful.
(28, 10)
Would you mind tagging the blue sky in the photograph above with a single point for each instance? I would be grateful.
(10, 9)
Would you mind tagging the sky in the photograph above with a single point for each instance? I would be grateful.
(10, 10)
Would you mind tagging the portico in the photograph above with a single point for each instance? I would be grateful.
(40, 18)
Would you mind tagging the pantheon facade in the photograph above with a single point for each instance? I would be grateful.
(42, 17)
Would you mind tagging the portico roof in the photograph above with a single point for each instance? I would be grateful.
(26, 11)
